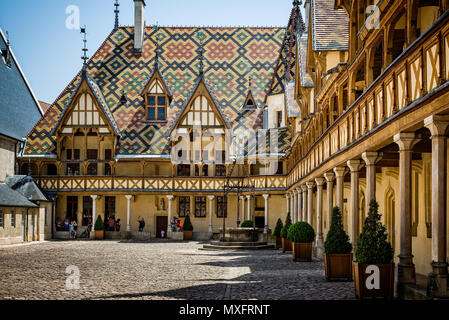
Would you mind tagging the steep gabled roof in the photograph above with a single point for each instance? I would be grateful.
(156, 73)
(99, 97)
(20, 110)
(231, 54)
(184, 109)
(330, 26)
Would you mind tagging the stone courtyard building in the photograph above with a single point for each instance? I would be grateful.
(355, 94)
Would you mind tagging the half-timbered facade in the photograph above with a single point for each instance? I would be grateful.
(355, 96)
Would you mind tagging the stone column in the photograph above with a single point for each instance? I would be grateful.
(319, 215)
(439, 276)
(310, 186)
(330, 177)
(211, 209)
(340, 177)
(128, 213)
(288, 200)
(170, 199)
(94, 211)
(293, 206)
(354, 166)
(242, 199)
(265, 230)
(299, 206)
(249, 207)
(304, 202)
(371, 158)
(406, 268)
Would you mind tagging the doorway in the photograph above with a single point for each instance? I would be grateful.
(161, 225)
(260, 222)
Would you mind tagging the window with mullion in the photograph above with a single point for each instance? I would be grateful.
(200, 207)
(157, 107)
(184, 206)
(222, 203)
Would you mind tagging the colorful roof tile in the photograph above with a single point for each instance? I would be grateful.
(231, 56)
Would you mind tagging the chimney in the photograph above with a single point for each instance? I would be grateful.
(307, 12)
(139, 24)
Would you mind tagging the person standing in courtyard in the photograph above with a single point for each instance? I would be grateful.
(141, 221)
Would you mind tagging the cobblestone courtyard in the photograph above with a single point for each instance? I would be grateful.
(160, 270)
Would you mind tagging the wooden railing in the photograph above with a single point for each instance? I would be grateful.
(421, 68)
(160, 184)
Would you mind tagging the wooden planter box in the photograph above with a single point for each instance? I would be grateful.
(338, 267)
(286, 245)
(302, 252)
(99, 235)
(386, 281)
(278, 242)
(188, 235)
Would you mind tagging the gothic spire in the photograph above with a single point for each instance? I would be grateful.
(116, 11)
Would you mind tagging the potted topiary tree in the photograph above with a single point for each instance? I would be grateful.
(187, 229)
(99, 228)
(247, 224)
(277, 233)
(302, 235)
(373, 266)
(337, 250)
(286, 244)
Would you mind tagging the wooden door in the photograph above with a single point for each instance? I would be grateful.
(161, 225)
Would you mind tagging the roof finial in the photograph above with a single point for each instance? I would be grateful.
(84, 57)
(200, 37)
(297, 3)
(116, 11)
(8, 54)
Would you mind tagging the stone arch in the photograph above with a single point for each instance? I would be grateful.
(390, 211)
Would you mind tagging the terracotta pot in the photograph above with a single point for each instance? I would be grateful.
(188, 235)
(386, 281)
(278, 242)
(302, 252)
(99, 235)
(338, 267)
(286, 245)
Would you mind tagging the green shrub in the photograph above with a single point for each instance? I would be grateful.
(247, 224)
(99, 225)
(278, 229)
(288, 223)
(337, 240)
(187, 224)
(301, 232)
(372, 245)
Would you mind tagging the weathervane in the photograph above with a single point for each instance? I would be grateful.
(116, 11)
(84, 57)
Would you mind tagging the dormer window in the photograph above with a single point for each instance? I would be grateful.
(157, 102)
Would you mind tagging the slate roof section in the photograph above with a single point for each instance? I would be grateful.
(18, 106)
(232, 54)
(306, 80)
(330, 26)
(26, 186)
(12, 198)
(293, 109)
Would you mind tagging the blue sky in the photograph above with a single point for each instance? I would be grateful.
(50, 54)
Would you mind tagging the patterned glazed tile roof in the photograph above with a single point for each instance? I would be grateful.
(330, 26)
(231, 56)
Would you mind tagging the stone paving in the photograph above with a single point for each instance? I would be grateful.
(160, 270)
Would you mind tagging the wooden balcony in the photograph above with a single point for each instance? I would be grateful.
(418, 75)
(154, 184)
